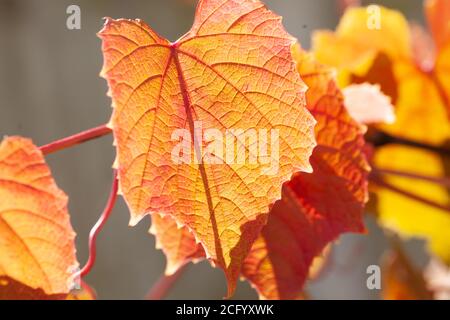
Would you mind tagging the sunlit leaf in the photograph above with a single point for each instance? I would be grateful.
(37, 250)
(232, 70)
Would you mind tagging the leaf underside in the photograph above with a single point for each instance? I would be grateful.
(37, 249)
(232, 70)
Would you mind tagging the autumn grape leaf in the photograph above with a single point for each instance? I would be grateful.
(316, 207)
(420, 91)
(37, 250)
(232, 70)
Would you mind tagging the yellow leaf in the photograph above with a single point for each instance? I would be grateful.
(385, 57)
(413, 218)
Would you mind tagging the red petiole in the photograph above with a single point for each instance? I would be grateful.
(75, 139)
(99, 225)
(161, 288)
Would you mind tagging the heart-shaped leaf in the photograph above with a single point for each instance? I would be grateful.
(232, 71)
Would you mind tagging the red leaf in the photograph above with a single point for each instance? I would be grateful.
(316, 207)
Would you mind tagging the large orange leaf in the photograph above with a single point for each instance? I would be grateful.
(316, 207)
(37, 250)
(232, 70)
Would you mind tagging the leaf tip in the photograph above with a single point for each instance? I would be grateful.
(134, 219)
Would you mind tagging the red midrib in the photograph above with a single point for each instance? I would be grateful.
(188, 106)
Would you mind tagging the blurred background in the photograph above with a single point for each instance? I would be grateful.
(50, 88)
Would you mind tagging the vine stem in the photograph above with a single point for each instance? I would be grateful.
(384, 184)
(162, 287)
(443, 181)
(381, 138)
(75, 139)
(99, 225)
(440, 88)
